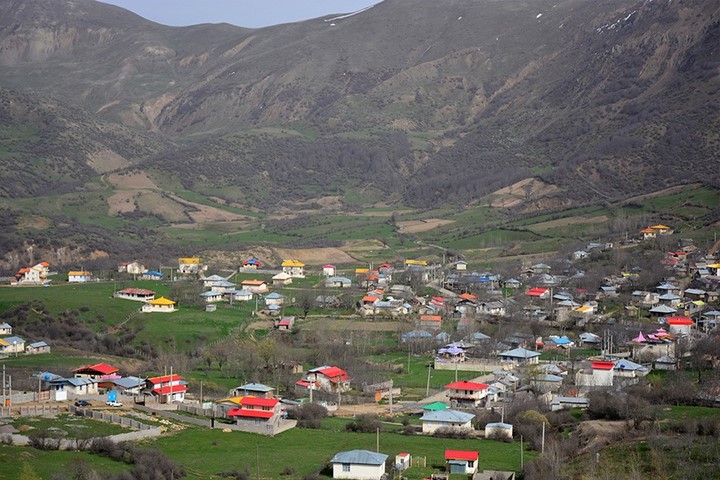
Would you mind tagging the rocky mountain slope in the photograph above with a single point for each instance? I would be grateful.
(417, 102)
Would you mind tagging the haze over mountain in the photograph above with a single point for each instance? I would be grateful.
(410, 102)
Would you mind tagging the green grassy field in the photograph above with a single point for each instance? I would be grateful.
(14, 459)
(70, 426)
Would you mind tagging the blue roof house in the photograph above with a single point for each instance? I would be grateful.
(359, 464)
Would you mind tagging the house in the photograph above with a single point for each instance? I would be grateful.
(461, 265)
(68, 388)
(255, 410)
(37, 347)
(499, 430)
(212, 296)
(359, 465)
(99, 371)
(281, 279)
(680, 325)
(546, 383)
(512, 283)
(433, 322)
(561, 403)
(338, 282)
(136, 294)
(434, 406)
(284, 323)
(5, 329)
(274, 298)
(464, 393)
(599, 375)
(126, 385)
(589, 339)
(189, 265)
(539, 293)
(35, 275)
(294, 268)
(463, 462)
(328, 379)
(254, 286)
(212, 279)
(239, 295)
(253, 389)
(520, 356)
(665, 362)
(167, 388)
(160, 305)
(133, 268)
(12, 345)
(540, 268)
(415, 335)
(79, 276)
(252, 263)
(403, 461)
(329, 270)
(152, 275)
(327, 301)
(446, 419)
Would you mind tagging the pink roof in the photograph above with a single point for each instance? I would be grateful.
(328, 266)
(463, 385)
(137, 291)
(460, 455)
(639, 339)
(603, 365)
(244, 412)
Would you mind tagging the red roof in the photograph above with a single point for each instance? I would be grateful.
(165, 379)
(259, 402)
(463, 385)
(461, 455)
(328, 266)
(603, 365)
(101, 368)
(334, 372)
(245, 412)
(468, 296)
(680, 321)
(536, 292)
(169, 389)
(370, 299)
(431, 318)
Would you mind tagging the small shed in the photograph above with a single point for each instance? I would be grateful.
(464, 462)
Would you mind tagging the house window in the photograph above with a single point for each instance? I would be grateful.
(471, 463)
(346, 467)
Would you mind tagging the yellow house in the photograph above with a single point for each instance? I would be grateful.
(162, 305)
(662, 229)
(422, 263)
(294, 268)
(189, 265)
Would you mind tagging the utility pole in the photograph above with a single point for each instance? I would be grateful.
(427, 387)
(377, 440)
(542, 447)
(522, 460)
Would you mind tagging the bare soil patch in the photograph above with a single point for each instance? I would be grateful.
(132, 181)
(154, 202)
(106, 161)
(520, 192)
(33, 221)
(417, 226)
(597, 434)
(315, 256)
(122, 201)
(205, 214)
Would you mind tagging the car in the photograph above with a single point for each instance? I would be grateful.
(82, 403)
(113, 404)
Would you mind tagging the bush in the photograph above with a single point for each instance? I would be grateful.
(451, 433)
(309, 415)
(365, 424)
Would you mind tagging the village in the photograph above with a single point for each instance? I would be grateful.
(535, 335)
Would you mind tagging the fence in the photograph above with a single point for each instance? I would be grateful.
(109, 417)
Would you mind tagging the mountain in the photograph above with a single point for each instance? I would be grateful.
(414, 102)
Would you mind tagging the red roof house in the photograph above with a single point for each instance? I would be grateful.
(538, 292)
(466, 393)
(462, 462)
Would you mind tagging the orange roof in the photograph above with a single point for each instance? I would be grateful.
(468, 296)
(370, 299)
(45, 264)
(431, 318)
(252, 282)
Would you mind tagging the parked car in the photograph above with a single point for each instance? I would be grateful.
(82, 403)
(113, 404)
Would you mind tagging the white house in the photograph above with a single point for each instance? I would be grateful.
(79, 276)
(161, 305)
(463, 462)
(37, 347)
(254, 286)
(499, 430)
(465, 393)
(520, 356)
(5, 329)
(281, 279)
(441, 419)
(12, 345)
(65, 388)
(294, 268)
(137, 294)
(600, 375)
(274, 298)
(359, 465)
(167, 388)
(211, 296)
(329, 270)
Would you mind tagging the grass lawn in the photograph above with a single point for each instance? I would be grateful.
(308, 451)
(46, 463)
(71, 425)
